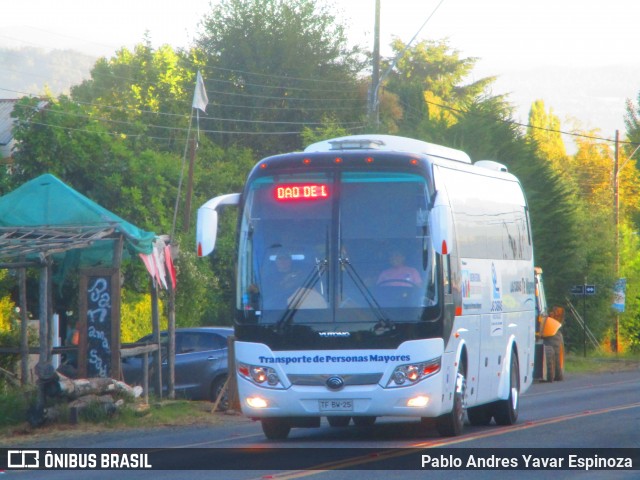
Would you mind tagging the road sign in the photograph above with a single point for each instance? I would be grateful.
(583, 290)
(577, 290)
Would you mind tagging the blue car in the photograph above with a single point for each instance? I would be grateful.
(201, 363)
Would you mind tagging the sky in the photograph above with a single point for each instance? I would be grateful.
(532, 46)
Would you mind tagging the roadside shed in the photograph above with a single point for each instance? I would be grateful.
(45, 221)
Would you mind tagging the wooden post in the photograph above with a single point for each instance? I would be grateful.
(116, 366)
(44, 369)
(50, 331)
(155, 321)
(232, 381)
(24, 327)
(171, 347)
(145, 376)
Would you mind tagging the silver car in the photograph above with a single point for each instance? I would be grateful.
(201, 363)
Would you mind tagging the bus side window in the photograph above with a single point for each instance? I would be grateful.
(446, 274)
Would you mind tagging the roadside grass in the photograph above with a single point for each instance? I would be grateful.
(600, 362)
(15, 403)
(166, 413)
(94, 419)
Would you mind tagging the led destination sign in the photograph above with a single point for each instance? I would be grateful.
(301, 191)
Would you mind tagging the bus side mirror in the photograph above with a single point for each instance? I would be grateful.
(441, 224)
(207, 223)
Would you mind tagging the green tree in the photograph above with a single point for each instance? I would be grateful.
(144, 95)
(428, 80)
(632, 122)
(629, 203)
(486, 131)
(591, 170)
(274, 66)
(63, 139)
(107, 151)
(587, 177)
(544, 131)
(330, 129)
(630, 270)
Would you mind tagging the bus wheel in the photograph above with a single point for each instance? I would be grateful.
(479, 416)
(452, 423)
(364, 421)
(275, 428)
(338, 421)
(506, 411)
(550, 357)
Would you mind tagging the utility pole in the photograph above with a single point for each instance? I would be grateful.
(375, 86)
(186, 222)
(616, 219)
(616, 216)
(375, 67)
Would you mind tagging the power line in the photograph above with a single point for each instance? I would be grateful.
(527, 125)
(150, 125)
(440, 105)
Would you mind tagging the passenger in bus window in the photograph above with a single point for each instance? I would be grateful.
(399, 274)
(292, 289)
(287, 279)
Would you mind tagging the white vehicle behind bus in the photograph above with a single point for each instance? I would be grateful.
(380, 276)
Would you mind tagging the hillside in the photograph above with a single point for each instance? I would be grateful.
(31, 71)
(583, 97)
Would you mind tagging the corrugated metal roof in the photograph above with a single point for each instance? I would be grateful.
(6, 122)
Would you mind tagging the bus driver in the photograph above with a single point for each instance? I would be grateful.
(399, 274)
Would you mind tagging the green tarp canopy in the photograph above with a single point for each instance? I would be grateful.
(47, 217)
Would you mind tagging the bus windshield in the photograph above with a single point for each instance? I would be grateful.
(337, 247)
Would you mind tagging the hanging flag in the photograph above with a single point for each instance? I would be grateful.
(619, 293)
(200, 100)
(147, 259)
(158, 258)
(170, 267)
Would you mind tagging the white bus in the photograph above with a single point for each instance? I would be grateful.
(380, 276)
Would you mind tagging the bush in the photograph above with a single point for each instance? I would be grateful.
(14, 403)
(135, 314)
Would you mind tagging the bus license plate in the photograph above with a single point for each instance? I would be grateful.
(336, 405)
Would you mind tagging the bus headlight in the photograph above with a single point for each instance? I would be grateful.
(412, 373)
(260, 375)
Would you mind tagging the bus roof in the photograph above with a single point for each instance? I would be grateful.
(388, 143)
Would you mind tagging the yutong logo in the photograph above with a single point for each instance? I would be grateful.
(335, 383)
(335, 334)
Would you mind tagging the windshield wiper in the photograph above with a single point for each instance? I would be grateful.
(384, 324)
(301, 294)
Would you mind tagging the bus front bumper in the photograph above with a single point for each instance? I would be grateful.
(424, 399)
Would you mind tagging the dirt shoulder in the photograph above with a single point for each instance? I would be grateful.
(165, 414)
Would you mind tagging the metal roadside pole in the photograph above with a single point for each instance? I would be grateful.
(584, 290)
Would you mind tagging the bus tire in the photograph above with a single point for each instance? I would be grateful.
(479, 416)
(364, 421)
(506, 411)
(275, 428)
(335, 421)
(550, 358)
(451, 424)
(557, 343)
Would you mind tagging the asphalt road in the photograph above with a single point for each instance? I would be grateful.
(599, 411)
